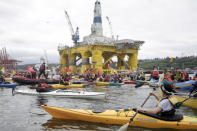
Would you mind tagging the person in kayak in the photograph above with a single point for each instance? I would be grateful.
(164, 108)
(168, 83)
(65, 79)
(155, 74)
(43, 87)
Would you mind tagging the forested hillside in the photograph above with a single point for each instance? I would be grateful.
(166, 63)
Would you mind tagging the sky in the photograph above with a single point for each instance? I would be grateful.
(32, 29)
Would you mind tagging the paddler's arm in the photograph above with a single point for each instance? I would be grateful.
(155, 110)
(153, 94)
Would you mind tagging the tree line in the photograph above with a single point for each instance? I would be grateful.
(169, 62)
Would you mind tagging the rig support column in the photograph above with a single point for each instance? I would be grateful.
(64, 62)
(121, 65)
(72, 63)
(97, 60)
(85, 62)
(133, 61)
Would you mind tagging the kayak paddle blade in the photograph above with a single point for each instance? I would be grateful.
(178, 104)
(124, 127)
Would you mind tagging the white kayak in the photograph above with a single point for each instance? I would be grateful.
(64, 93)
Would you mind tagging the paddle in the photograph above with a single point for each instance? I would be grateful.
(139, 84)
(125, 126)
(178, 104)
(13, 89)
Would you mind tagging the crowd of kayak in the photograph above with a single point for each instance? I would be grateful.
(183, 89)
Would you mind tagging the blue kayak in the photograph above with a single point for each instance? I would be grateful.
(187, 85)
(8, 85)
(115, 84)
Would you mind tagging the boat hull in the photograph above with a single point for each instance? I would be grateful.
(100, 83)
(30, 81)
(60, 86)
(8, 85)
(64, 93)
(120, 117)
(192, 102)
(184, 85)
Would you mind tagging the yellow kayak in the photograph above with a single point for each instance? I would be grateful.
(191, 102)
(8, 80)
(121, 117)
(100, 83)
(60, 86)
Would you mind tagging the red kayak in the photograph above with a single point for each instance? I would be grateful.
(130, 82)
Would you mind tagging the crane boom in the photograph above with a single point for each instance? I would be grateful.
(69, 23)
(74, 35)
(110, 26)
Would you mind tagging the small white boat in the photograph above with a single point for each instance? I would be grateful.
(64, 93)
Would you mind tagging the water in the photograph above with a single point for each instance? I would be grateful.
(23, 112)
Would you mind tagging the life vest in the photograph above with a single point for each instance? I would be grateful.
(42, 67)
(155, 73)
(44, 85)
(167, 78)
(170, 112)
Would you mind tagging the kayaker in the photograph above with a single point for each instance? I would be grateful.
(168, 83)
(31, 71)
(43, 87)
(179, 76)
(65, 79)
(155, 74)
(164, 108)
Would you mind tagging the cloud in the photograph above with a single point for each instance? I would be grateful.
(29, 27)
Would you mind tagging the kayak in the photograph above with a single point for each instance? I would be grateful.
(64, 93)
(100, 83)
(154, 83)
(137, 82)
(8, 85)
(83, 82)
(130, 82)
(121, 117)
(191, 102)
(142, 81)
(60, 86)
(115, 84)
(184, 85)
(8, 79)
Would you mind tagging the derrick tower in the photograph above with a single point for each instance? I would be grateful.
(97, 28)
(96, 52)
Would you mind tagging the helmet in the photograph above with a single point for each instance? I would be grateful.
(165, 91)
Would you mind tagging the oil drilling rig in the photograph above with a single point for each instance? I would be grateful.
(96, 51)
